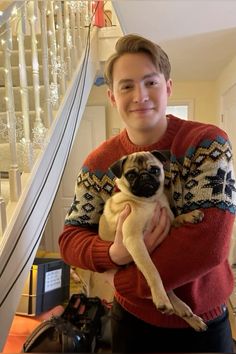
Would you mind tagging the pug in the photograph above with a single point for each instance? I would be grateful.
(140, 180)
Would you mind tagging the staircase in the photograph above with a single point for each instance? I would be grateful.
(48, 62)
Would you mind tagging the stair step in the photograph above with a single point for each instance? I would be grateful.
(16, 78)
(27, 41)
(17, 98)
(15, 58)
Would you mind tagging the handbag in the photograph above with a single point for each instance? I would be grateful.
(79, 329)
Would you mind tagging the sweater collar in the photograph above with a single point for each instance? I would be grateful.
(163, 144)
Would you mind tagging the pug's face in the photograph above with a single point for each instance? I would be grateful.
(140, 173)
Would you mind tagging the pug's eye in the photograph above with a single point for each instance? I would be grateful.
(154, 170)
(131, 175)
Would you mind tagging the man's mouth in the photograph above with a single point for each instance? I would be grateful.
(141, 110)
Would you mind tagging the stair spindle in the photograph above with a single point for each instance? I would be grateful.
(60, 34)
(68, 39)
(73, 40)
(39, 130)
(26, 142)
(14, 173)
(78, 32)
(48, 115)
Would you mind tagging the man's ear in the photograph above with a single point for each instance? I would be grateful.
(169, 85)
(111, 97)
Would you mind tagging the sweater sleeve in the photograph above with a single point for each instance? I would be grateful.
(189, 252)
(81, 247)
(80, 244)
(201, 179)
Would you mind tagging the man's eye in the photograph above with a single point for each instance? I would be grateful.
(152, 83)
(126, 88)
(154, 170)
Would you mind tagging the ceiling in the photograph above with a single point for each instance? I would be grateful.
(199, 36)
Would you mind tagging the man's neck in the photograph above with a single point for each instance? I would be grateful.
(148, 137)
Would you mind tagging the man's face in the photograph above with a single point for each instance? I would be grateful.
(139, 92)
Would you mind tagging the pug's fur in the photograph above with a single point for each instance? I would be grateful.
(140, 179)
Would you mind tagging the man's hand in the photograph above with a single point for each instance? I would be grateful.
(118, 251)
(153, 236)
(158, 229)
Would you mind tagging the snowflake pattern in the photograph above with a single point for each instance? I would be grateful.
(222, 182)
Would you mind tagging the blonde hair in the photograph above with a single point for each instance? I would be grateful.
(133, 43)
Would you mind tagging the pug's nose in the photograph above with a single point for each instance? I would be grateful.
(144, 176)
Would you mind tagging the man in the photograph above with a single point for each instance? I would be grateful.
(192, 259)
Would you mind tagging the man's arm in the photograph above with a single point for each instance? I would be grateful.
(187, 253)
(81, 247)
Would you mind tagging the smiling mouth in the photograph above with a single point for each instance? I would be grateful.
(141, 110)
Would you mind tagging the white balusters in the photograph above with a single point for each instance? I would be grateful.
(39, 130)
(62, 30)
(68, 39)
(27, 150)
(73, 40)
(60, 36)
(78, 31)
(14, 174)
(48, 117)
(54, 87)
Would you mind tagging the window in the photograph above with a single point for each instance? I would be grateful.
(180, 109)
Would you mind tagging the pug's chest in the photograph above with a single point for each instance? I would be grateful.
(140, 216)
(109, 218)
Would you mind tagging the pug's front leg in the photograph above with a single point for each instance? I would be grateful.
(193, 217)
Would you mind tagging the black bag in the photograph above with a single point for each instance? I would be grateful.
(78, 329)
(55, 335)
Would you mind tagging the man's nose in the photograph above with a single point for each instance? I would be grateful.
(140, 94)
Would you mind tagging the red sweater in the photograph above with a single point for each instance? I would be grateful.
(192, 260)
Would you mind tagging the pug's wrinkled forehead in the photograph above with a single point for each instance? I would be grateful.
(141, 160)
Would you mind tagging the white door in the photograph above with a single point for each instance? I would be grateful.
(229, 125)
(91, 132)
(229, 117)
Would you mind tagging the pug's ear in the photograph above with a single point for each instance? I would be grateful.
(162, 155)
(117, 167)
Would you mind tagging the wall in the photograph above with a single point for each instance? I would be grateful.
(98, 96)
(203, 95)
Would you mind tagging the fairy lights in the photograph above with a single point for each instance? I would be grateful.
(54, 93)
(39, 134)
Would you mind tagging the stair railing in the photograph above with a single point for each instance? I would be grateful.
(45, 39)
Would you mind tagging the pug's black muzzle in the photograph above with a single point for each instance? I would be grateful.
(145, 185)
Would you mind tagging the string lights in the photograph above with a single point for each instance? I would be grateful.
(58, 67)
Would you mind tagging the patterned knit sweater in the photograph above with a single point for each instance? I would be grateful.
(192, 260)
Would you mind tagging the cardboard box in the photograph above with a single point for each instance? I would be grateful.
(47, 285)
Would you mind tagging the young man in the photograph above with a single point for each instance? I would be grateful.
(192, 259)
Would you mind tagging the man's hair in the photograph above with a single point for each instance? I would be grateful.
(133, 43)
